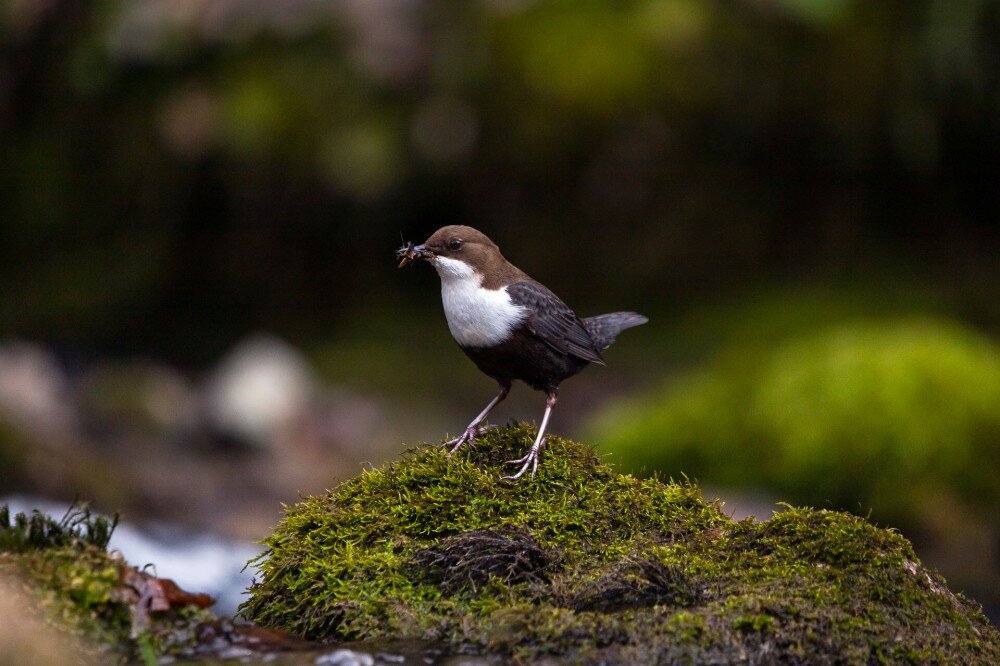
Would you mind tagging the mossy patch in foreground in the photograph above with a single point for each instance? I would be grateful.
(590, 565)
(92, 594)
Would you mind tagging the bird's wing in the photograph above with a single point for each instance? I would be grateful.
(553, 321)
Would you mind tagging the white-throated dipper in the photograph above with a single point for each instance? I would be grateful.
(511, 326)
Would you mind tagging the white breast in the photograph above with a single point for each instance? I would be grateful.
(477, 317)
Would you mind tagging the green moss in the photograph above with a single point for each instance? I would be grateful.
(894, 416)
(587, 564)
(81, 586)
(76, 589)
(78, 527)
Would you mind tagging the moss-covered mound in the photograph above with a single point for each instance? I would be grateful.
(896, 417)
(590, 565)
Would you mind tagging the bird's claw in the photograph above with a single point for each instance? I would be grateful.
(468, 437)
(485, 428)
(530, 459)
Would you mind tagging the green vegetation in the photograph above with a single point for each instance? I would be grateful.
(244, 146)
(88, 592)
(889, 415)
(586, 564)
(78, 527)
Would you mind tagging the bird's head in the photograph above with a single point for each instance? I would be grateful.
(454, 249)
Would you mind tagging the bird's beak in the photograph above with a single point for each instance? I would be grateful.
(410, 252)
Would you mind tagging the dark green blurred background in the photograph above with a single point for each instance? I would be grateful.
(801, 194)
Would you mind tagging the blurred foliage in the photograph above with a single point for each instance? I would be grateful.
(12, 457)
(176, 173)
(890, 415)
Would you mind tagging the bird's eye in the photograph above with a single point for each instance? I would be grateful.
(454, 243)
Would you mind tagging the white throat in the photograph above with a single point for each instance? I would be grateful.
(477, 317)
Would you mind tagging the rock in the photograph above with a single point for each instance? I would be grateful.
(140, 398)
(584, 565)
(35, 393)
(344, 657)
(259, 390)
(266, 394)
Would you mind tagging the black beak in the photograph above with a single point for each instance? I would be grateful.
(410, 252)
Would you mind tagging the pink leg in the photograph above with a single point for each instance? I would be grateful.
(474, 428)
(530, 459)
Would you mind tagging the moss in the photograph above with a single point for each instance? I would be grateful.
(892, 418)
(78, 527)
(75, 588)
(589, 565)
(853, 415)
(83, 589)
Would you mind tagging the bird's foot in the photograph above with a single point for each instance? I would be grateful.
(530, 459)
(468, 437)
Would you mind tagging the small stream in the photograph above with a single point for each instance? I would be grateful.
(358, 654)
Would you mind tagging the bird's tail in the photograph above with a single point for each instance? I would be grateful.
(605, 328)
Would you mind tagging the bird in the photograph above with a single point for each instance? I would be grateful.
(510, 325)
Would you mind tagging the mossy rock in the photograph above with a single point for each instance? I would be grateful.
(87, 592)
(587, 565)
(892, 418)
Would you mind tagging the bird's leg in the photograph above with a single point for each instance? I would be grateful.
(530, 459)
(475, 428)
